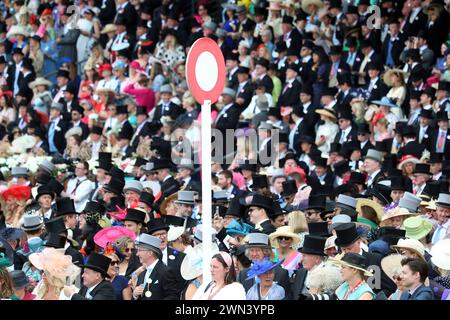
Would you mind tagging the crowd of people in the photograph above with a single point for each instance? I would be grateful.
(336, 186)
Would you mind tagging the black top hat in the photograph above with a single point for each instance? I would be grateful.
(436, 158)
(430, 91)
(78, 109)
(261, 201)
(307, 89)
(293, 51)
(363, 128)
(96, 130)
(162, 164)
(345, 114)
(319, 229)
(135, 215)
(155, 225)
(65, 206)
(274, 112)
(121, 109)
(341, 167)
(289, 188)
(329, 91)
(72, 88)
(399, 125)
(391, 235)
(94, 207)
(141, 111)
(147, 198)
(117, 174)
(55, 240)
(409, 131)
(140, 162)
(99, 263)
(287, 19)
(444, 85)
(45, 189)
(56, 226)
(316, 202)
(357, 178)
(384, 145)
(397, 183)
(414, 54)
(426, 113)
(346, 234)
(63, 73)
(292, 66)
(335, 147)
(433, 188)
(442, 116)
(313, 245)
(335, 50)
(335, 4)
(344, 77)
(301, 15)
(246, 165)
(231, 55)
(305, 138)
(241, 70)
(422, 168)
(263, 62)
(235, 208)
(321, 162)
(16, 51)
(56, 186)
(259, 181)
(114, 186)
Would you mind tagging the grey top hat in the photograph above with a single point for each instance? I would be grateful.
(443, 200)
(186, 163)
(149, 242)
(346, 200)
(57, 106)
(265, 126)
(149, 166)
(186, 197)
(198, 235)
(166, 88)
(340, 219)
(210, 25)
(47, 166)
(409, 202)
(19, 172)
(133, 185)
(221, 195)
(256, 239)
(229, 92)
(221, 33)
(32, 222)
(278, 173)
(374, 155)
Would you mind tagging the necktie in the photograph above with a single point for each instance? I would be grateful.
(76, 186)
(341, 141)
(333, 70)
(286, 87)
(440, 145)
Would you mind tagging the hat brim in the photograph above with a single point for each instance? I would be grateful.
(420, 235)
(409, 248)
(312, 252)
(273, 238)
(362, 202)
(343, 263)
(150, 231)
(412, 160)
(96, 268)
(327, 114)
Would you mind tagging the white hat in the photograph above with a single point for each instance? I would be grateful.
(192, 265)
(198, 235)
(411, 244)
(330, 243)
(440, 254)
(174, 233)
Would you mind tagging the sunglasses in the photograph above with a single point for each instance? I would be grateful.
(284, 238)
(398, 278)
(128, 249)
(114, 263)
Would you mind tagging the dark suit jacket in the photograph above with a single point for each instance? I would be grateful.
(247, 93)
(433, 139)
(343, 100)
(12, 76)
(23, 85)
(108, 12)
(131, 18)
(174, 282)
(421, 293)
(412, 29)
(396, 50)
(290, 97)
(281, 277)
(352, 136)
(156, 285)
(366, 147)
(268, 83)
(174, 111)
(229, 119)
(59, 140)
(170, 186)
(267, 227)
(299, 283)
(294, 39)
(387, 285)
(379, 90)
(103, 291)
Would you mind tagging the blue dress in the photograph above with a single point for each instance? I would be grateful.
(276, 292)
(50, 67)
(119, 283)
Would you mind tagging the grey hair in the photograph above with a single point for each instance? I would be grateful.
(325, 278)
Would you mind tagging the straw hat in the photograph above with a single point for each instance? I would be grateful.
(109, 28)
(285, 231)
(363, 202)
(329, 112)
(417, 227)
(39, 82)
(56, 263)
(396, 212)
(392, 265)
(307, 3)
(173, 197)
(352, 260)
(388, 73)
(440, 254)
(17, 30)
(21, 144)
(192, 264)
(412, 245)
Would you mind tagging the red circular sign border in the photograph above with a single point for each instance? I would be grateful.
(200, 46)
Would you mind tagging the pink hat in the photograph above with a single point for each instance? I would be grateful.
(111, 234)
(136, 65)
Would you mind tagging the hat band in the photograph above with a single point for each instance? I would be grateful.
(33, 226)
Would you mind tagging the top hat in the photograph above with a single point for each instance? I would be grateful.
(288, 19)
(55, 240)
(346, 234)
(45, 189)
(257, 239)
(247, 165)
(319, 229)
(313, 245)
(259, 181)
(135, 215)
(65, 206)
(147, 198)
(235, 208)
(94, 207)
(32, 222)
(186, 197)
(98, 262)
(443, 200)
(316, 202)
(357, 178)
(422, 168)
(161, 164)
(155, 225)
(442, 115)
(261, 201)
(289, 188)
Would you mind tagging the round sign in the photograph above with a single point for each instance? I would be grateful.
(205, 70)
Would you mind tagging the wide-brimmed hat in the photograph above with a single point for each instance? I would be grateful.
(313, 245)
(56, 263)
(259, 267)
(353, 260)
(109, 28)
(307, 3)
(19, 279)
(17, 30)
(175, 232)
(284, 231)
(363, 202)
(329, 112)
(192, 264)
(443, 200)
(387, 75)
(440, 254)
(149, 242)
(412, 245)
(417, 227)
(407, 159)
(98, 262)
(386, 102)
(396, 212)
(39, 82)
(32, 222)
(111, 234)
(391, 265)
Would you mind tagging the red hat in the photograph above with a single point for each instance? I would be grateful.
(85, 96)
(6, 93)
(136, 65)
(103, 67)
(17, 192)
(46, 12)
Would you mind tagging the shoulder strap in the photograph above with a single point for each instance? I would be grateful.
(208, 286)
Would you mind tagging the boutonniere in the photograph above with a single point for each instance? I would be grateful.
(57, 129)
(358, 59)
(375, 86)
(225, 115)
(448, 137)
(290, 85)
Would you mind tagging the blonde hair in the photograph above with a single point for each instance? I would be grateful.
(297, 221)
(122, 242)
(6, 285)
